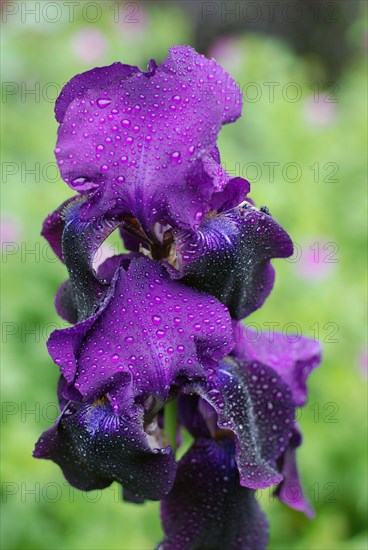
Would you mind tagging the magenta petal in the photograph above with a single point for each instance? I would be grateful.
(207, 509)
(292, 357)
(139, 141)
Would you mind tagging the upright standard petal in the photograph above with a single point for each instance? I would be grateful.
(94, 447)
(229, 257)
(148, 325)
(97, 79)
(207, 509)
(138, 141)
(293, 357)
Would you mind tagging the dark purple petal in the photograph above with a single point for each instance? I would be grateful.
(139, 141)
(293, 357)
(148, 325)
(229, 257)
(128, 496)
(254, 403)
(94, 447)
(65, 303)
(53, 227)
(197, 416)
(207, 509)
(131, 242)
(290, 490)
(80, 242)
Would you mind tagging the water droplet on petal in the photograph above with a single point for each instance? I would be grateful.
(103, 102)
(175, 156)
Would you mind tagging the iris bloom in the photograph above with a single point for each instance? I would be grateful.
(160, 325)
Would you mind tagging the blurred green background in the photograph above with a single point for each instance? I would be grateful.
(305, 113)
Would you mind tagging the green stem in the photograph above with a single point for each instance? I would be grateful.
(171, 422)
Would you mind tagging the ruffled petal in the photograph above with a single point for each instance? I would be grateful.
(253, 402)
(229, 257)
(197, 416)
(66, 303)
(290, 490)
(293, 357)
(53, 227)
(148, 325)
(138, 141)
(94, 447)
(97, 79)
(80, 242)
(207, 509)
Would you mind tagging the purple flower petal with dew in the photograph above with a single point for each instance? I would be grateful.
(140, 142)
(229, 257)
(208, 509)
(94, 447)
(148, 325)
(256, 406)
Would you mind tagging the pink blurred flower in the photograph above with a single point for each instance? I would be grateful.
(90, 45)
(317, 260)
(226, 52)
(10, 228)
(363, 363)
(320, 109)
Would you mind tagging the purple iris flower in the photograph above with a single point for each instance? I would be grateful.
(144, 143)
(160, 325)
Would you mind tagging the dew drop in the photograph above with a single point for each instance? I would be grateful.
(103, 102)
(175, 156)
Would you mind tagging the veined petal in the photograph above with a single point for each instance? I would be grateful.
(137, 142)
(149, 325)
(94, 447)
(80, 242)
(229, 257)
(53, 227)
(207, 509)
(293, 357)
(253, 402)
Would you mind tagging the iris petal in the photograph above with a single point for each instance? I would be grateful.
(95, 447)
(229, 257)
(148, 325)
(138, 142)
(253, 402)
(207, 509)
(290, 490)
(293, 357)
